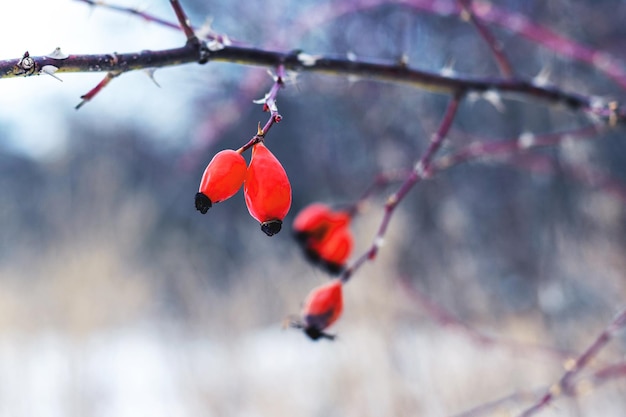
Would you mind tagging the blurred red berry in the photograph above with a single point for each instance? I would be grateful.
(324, 236)
(267, 190)
(312, 221)
(333, 250)
(322, 308)
(221, 180)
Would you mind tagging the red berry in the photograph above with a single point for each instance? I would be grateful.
(267, 190)
(221, 180)
(334, 250)
(312, 221)
(324, 236)
(322, 308)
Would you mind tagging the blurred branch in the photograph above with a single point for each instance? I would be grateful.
(445, 319)
(422, 170)
(583, 386)
(92, 93)
(185, 25)
(565, 385)
(496, 47)
(203, 32)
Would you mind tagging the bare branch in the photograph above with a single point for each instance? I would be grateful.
(506, 69)
(574, 367)
(421, 171)
(184, 22)
(91, 93)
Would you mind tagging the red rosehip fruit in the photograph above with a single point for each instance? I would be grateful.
(324, 236)
(312, 221)
(222, 178)
(333, 251)
(267, 190)
(322, 308)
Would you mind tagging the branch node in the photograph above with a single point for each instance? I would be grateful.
(26, 66)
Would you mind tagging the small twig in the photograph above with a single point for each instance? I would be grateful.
(490, 150)
(582, 385)
(210, 35)
(446, 319)
(522, 25)
(421, 171)
(133, 11)
(608, 373)
(575, 366)
(269, 105)
(488, 407)
(506, 69)
(92, 93)
(185, 25)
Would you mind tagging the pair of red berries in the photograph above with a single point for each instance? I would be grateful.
(324, 235)
(267, 189)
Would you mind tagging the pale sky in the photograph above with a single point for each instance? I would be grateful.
(32, 107)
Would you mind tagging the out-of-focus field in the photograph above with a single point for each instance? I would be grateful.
(94, 324)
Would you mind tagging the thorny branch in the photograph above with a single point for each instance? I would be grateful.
(395, 73)
(195, 51)
(496, 47)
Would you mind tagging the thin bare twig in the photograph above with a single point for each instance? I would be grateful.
(183, 20)
(446, 319)
(92, 93)
(506, 69)
(575, 366)
(421, 171)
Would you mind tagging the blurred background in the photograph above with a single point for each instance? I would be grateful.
(117, 298)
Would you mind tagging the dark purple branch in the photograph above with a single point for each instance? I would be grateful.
(191, 53)
(269, 105)
(506, 69)
(185, 25)
(525, 27)
(515, 23)
(420, 171)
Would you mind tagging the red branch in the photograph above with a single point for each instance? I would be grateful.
(92, 93)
